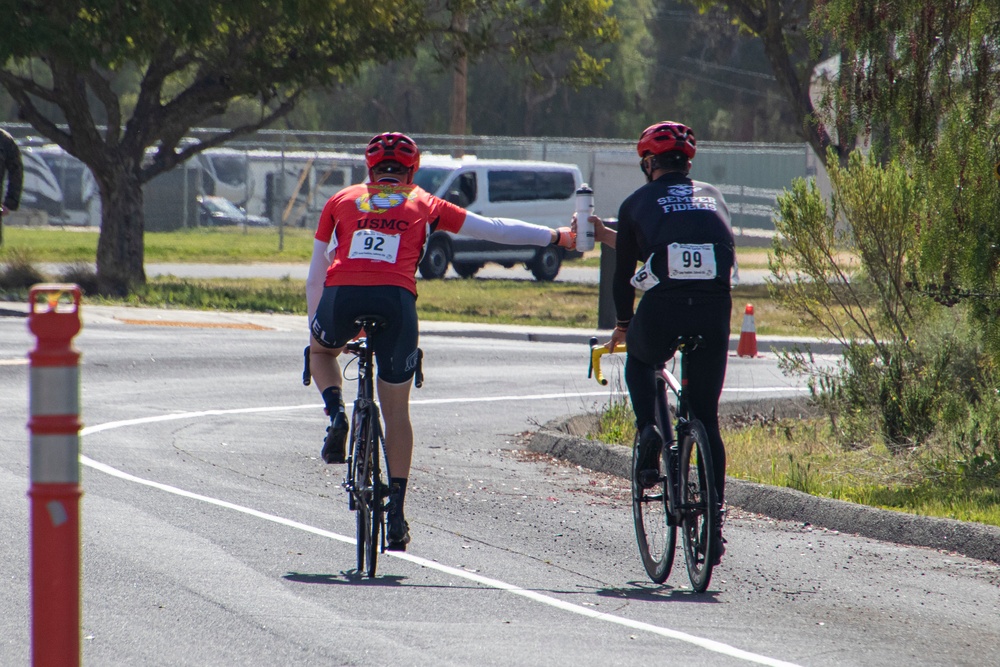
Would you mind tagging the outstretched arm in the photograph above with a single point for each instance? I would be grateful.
(515, 232)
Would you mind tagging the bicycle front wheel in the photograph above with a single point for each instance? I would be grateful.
(699, 505)
(655, 537)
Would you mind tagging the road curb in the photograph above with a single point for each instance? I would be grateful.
(530, 334)
(563, 438)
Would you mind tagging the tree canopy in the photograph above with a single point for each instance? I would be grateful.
(119, 84)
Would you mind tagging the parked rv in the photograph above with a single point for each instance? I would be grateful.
(291, 187)
(40, 189)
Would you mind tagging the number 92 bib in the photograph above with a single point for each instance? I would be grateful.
(370, 244)
(691, 261)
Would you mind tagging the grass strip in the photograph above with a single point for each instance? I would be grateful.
(802, 454)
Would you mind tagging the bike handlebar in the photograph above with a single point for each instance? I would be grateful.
(596, 352)
(306, 373)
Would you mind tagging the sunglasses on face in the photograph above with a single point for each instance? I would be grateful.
(390, 168)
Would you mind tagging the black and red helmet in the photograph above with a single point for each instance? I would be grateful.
(667, 136)
(393, 146)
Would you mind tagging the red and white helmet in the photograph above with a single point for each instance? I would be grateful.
(393, 146)
(667, 136)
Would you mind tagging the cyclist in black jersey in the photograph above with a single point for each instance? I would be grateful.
(679, 230)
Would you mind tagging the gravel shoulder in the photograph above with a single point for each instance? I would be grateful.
(564, 438)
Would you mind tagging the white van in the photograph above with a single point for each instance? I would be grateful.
(539, 192)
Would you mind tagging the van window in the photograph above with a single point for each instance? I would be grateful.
(430, 178)
(523, 185)
(463, 190)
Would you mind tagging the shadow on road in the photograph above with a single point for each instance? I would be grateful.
(644, 591)
(348, 577)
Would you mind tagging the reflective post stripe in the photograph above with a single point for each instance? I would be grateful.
(54, 493)
(54, 408)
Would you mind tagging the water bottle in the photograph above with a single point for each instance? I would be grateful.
(584, 209)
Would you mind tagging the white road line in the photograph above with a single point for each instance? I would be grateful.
(708, 644)
(429, 401)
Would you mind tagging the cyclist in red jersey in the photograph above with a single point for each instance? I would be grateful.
(367, 246)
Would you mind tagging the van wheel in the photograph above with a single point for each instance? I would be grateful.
(435, 261)
(545, 265)
(466, 269)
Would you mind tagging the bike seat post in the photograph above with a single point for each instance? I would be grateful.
(662, 409)
(685, 344)
(371, 325)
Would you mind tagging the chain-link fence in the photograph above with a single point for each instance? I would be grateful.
(283, 177)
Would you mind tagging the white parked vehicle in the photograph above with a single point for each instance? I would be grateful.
(291, 187)
(533, 191)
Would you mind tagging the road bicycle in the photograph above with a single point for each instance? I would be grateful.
(365, 482)
(682, 493)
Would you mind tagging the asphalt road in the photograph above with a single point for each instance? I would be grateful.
(213, 535)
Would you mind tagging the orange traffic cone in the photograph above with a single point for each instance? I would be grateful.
(747, 346)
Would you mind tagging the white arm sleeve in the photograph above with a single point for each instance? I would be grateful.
(506, 230)
(317, 276)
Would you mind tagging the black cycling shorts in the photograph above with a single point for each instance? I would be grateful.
(395, 345)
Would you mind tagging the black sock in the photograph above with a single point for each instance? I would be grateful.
(398, 485)
(333, 400)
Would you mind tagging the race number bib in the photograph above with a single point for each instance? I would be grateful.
(691, 261)
(369, 244)
(644, 278)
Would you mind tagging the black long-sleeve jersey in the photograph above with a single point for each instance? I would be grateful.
(680, 229)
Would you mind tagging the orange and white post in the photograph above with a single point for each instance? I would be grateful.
(55, 491)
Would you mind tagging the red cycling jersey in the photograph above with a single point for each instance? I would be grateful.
(380, 232)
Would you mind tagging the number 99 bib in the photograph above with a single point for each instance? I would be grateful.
(691, 261)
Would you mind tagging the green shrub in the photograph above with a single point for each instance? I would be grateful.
(82, 274)
(18, 272)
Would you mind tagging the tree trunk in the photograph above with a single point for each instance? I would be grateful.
(459, 84)
(460, 101)
(120, 247)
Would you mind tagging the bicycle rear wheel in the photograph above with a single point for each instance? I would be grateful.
(656, 539)
(376, 498)
(699, 505)
(362, 461)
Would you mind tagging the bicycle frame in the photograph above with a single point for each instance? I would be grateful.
(361, 419)
(665, 381)
(367, 490)
(363, 480)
